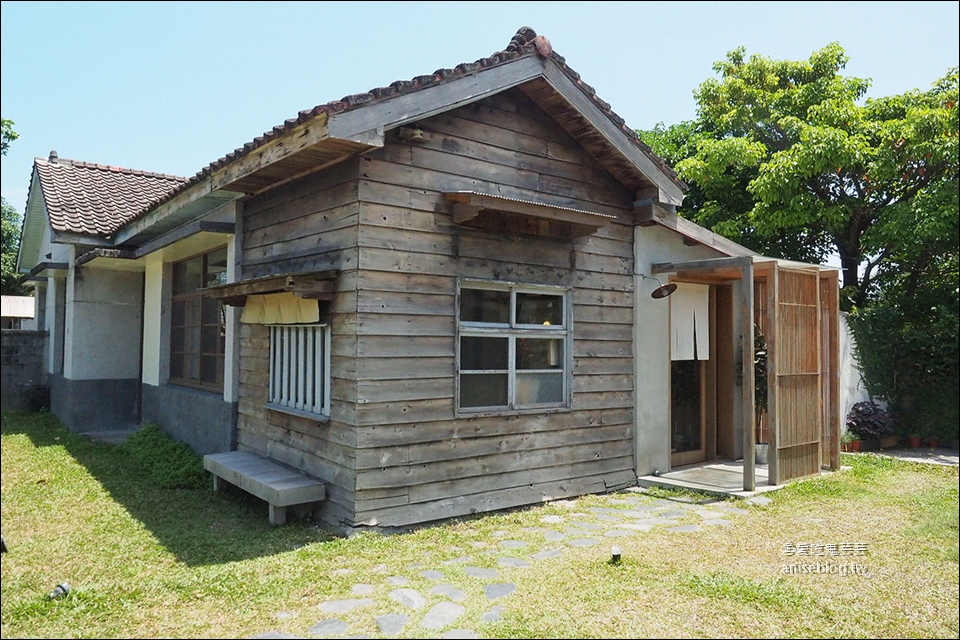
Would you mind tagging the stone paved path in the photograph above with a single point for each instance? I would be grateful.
(435, 606)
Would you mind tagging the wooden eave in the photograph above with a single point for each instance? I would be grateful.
(468, 206)
(314, 285)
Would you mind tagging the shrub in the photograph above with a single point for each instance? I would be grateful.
(168, 463)
(869, 421)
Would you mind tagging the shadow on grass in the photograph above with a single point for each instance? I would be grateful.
(198, 526)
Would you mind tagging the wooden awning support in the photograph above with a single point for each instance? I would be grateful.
(467, 206)
(316, 285)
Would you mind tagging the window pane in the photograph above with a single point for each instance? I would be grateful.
(176, 365)
(539, 353)
(539, 388)
(191, 366)
(216, 268)
(211, 310)
(191, 340)
(209, 370)
(178, 313)
(483, 353)
(484, 305)
(536, 308)
(193, 312)
(483, 390)
(176, 339)
(210, 339)
(186, 275)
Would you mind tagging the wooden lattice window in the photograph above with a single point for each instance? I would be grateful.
(300, 368)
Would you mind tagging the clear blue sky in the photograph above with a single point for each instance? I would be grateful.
(173, 86)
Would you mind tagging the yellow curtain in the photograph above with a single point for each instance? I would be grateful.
(280, 308)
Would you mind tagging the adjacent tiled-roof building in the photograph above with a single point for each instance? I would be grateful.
(96, 199)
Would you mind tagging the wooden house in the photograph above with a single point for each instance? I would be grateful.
(434, 298)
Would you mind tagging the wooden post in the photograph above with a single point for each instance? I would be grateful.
(773, 376)
(747, 417)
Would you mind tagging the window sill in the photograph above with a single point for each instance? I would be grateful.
(309, 415)
(484, 413)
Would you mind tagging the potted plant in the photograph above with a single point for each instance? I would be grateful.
(870, 422)
(849, 441)
(914, 440)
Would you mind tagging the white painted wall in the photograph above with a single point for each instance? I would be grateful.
(652, 344)
(852, 390)
(102, 337)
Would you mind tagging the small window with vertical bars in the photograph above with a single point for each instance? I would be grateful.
(300, 368)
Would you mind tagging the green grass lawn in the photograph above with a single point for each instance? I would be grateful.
(148, 556)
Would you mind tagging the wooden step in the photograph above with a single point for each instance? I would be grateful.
(278, 485)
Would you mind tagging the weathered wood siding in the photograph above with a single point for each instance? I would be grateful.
(415, 461)
(308, 225)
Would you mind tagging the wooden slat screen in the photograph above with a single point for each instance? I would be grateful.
(798, 397)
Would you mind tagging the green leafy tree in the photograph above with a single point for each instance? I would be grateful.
(10, 230)
(784, 158)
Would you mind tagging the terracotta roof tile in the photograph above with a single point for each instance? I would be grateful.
(97, 199)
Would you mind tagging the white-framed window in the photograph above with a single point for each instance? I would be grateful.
(300, 368)
(513, 344)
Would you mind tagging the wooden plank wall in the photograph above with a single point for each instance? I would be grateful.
(414, 461)
(308, 225)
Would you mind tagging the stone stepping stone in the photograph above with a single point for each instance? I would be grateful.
(640, 512)
(499, 590)
(442, 614)
(582, 542)
(449, 591)
(513, 562)
(331, 627)
(760, 501)
(672, 513)
(378, 568)
(636, 489)
(627, 501)
(587, 525)
(617, 533)
(409, 598)
(480, 572)
(572, 531)
(513, 544)
(432, 574)
(274, 635)
(391, 624)
(460, 560)
(492, 614)
(606, 518)
(552, 519)
(685, 528)
(532, 529)
(398, 581)
(554, 536)
(547, 553)
(604, 510)
(459, 633)
(652, 522)
(633, 526)
(720, 522)
(342, 606)
(361, 589)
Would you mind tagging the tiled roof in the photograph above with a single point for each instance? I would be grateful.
(525, 43)
(96, 199)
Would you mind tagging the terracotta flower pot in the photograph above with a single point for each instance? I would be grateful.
(855, 445)
(913, 441)
(934, 442)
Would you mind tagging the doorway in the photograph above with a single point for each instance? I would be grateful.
(702, 377)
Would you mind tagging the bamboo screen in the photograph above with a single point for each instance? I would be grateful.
(798, 398)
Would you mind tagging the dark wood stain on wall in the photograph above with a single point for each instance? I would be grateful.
(393, 451)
